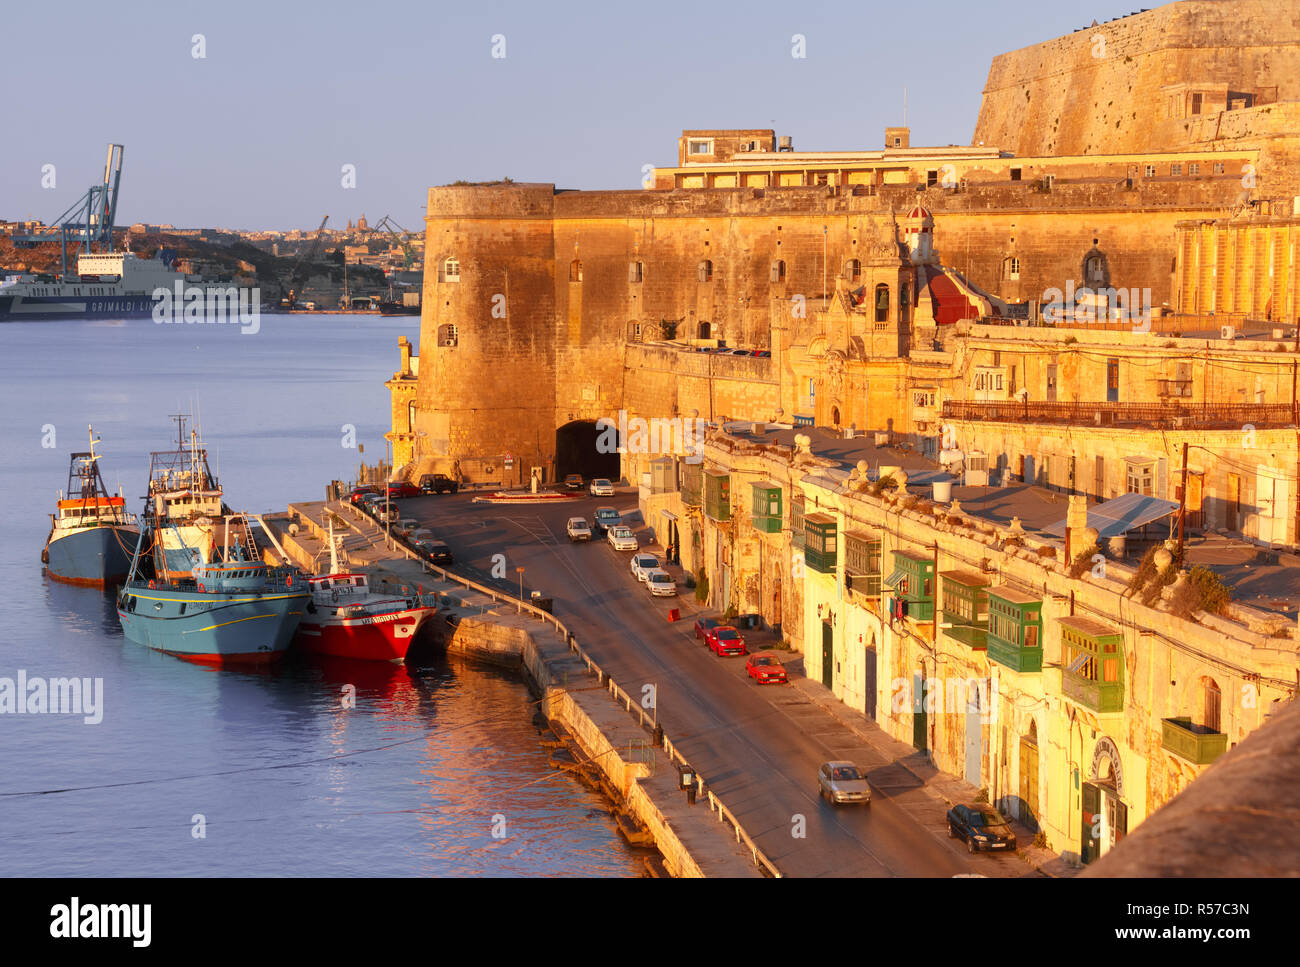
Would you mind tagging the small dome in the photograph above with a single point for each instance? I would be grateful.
(920, 211)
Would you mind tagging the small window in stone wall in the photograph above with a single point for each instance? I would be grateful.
(778, 271)
(449, 269)
(575, 271)
(853, 270)
(706, 271)
(448, 335)
(636, 272)
(1193, 168)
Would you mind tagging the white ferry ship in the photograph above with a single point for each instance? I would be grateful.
(108, 285)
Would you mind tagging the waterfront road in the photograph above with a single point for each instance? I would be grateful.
(758, 748)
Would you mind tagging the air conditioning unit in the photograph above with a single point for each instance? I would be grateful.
(977, 470)
(882, 439)
(1228, 332)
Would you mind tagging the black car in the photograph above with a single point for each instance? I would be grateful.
(981, 826)
(435, 552)
(438, 483)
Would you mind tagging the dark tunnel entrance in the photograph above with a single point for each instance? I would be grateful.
(577, 450)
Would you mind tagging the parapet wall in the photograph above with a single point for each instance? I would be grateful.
(1102, 89)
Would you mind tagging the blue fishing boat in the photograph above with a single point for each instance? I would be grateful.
(92, 537)
(198, 586)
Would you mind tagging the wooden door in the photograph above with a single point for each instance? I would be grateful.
(828, 655)
(1029, 782)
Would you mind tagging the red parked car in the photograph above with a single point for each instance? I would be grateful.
(764, 667)
(703, 626)
(726, 640)
(359, 492)
(396, 490)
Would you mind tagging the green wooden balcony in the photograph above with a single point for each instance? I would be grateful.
(965, 607)
(1197, 744)
(692, 474)
(1015, 626)
(717, 494)
(913, 580)
(1016, 657)
(821, 552)
(1093, 663)
(766, 515)
(1102, 697)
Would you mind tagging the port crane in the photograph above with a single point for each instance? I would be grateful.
(304, 258)
(89, 220)
(403, 239)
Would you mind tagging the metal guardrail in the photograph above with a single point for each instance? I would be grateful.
(716, 805)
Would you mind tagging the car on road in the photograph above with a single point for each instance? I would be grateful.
(605, 518)
(403, 489)
(842, 782)
(981, 826)
(622, 539)
(764, 667)
(643, 564)
(704, 625)
(725, 640)
(404, 526)
(359, 494)
(573, 481)
(578, 530)
(438, 483)
(434, 551)
(601, 487)
(661, 583)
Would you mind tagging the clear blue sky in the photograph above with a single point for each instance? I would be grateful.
(254, 135)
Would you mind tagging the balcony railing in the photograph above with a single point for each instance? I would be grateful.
(1163, 415)
(1016, 657)
(1197, 744)
(1098, 696)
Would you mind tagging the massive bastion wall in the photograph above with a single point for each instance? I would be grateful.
(1108, 89)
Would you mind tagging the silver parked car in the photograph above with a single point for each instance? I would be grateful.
(643, 564)
(842, 782)
(661, 583)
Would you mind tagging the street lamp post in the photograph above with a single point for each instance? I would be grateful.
(519, 608)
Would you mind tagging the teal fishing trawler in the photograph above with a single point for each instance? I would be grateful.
(198, 587)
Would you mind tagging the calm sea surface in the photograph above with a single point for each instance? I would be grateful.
(276, 774)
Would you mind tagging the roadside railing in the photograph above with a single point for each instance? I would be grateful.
(620, 694)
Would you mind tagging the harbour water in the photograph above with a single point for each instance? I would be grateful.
(199, 772)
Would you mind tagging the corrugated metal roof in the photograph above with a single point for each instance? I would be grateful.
(1121, 515)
